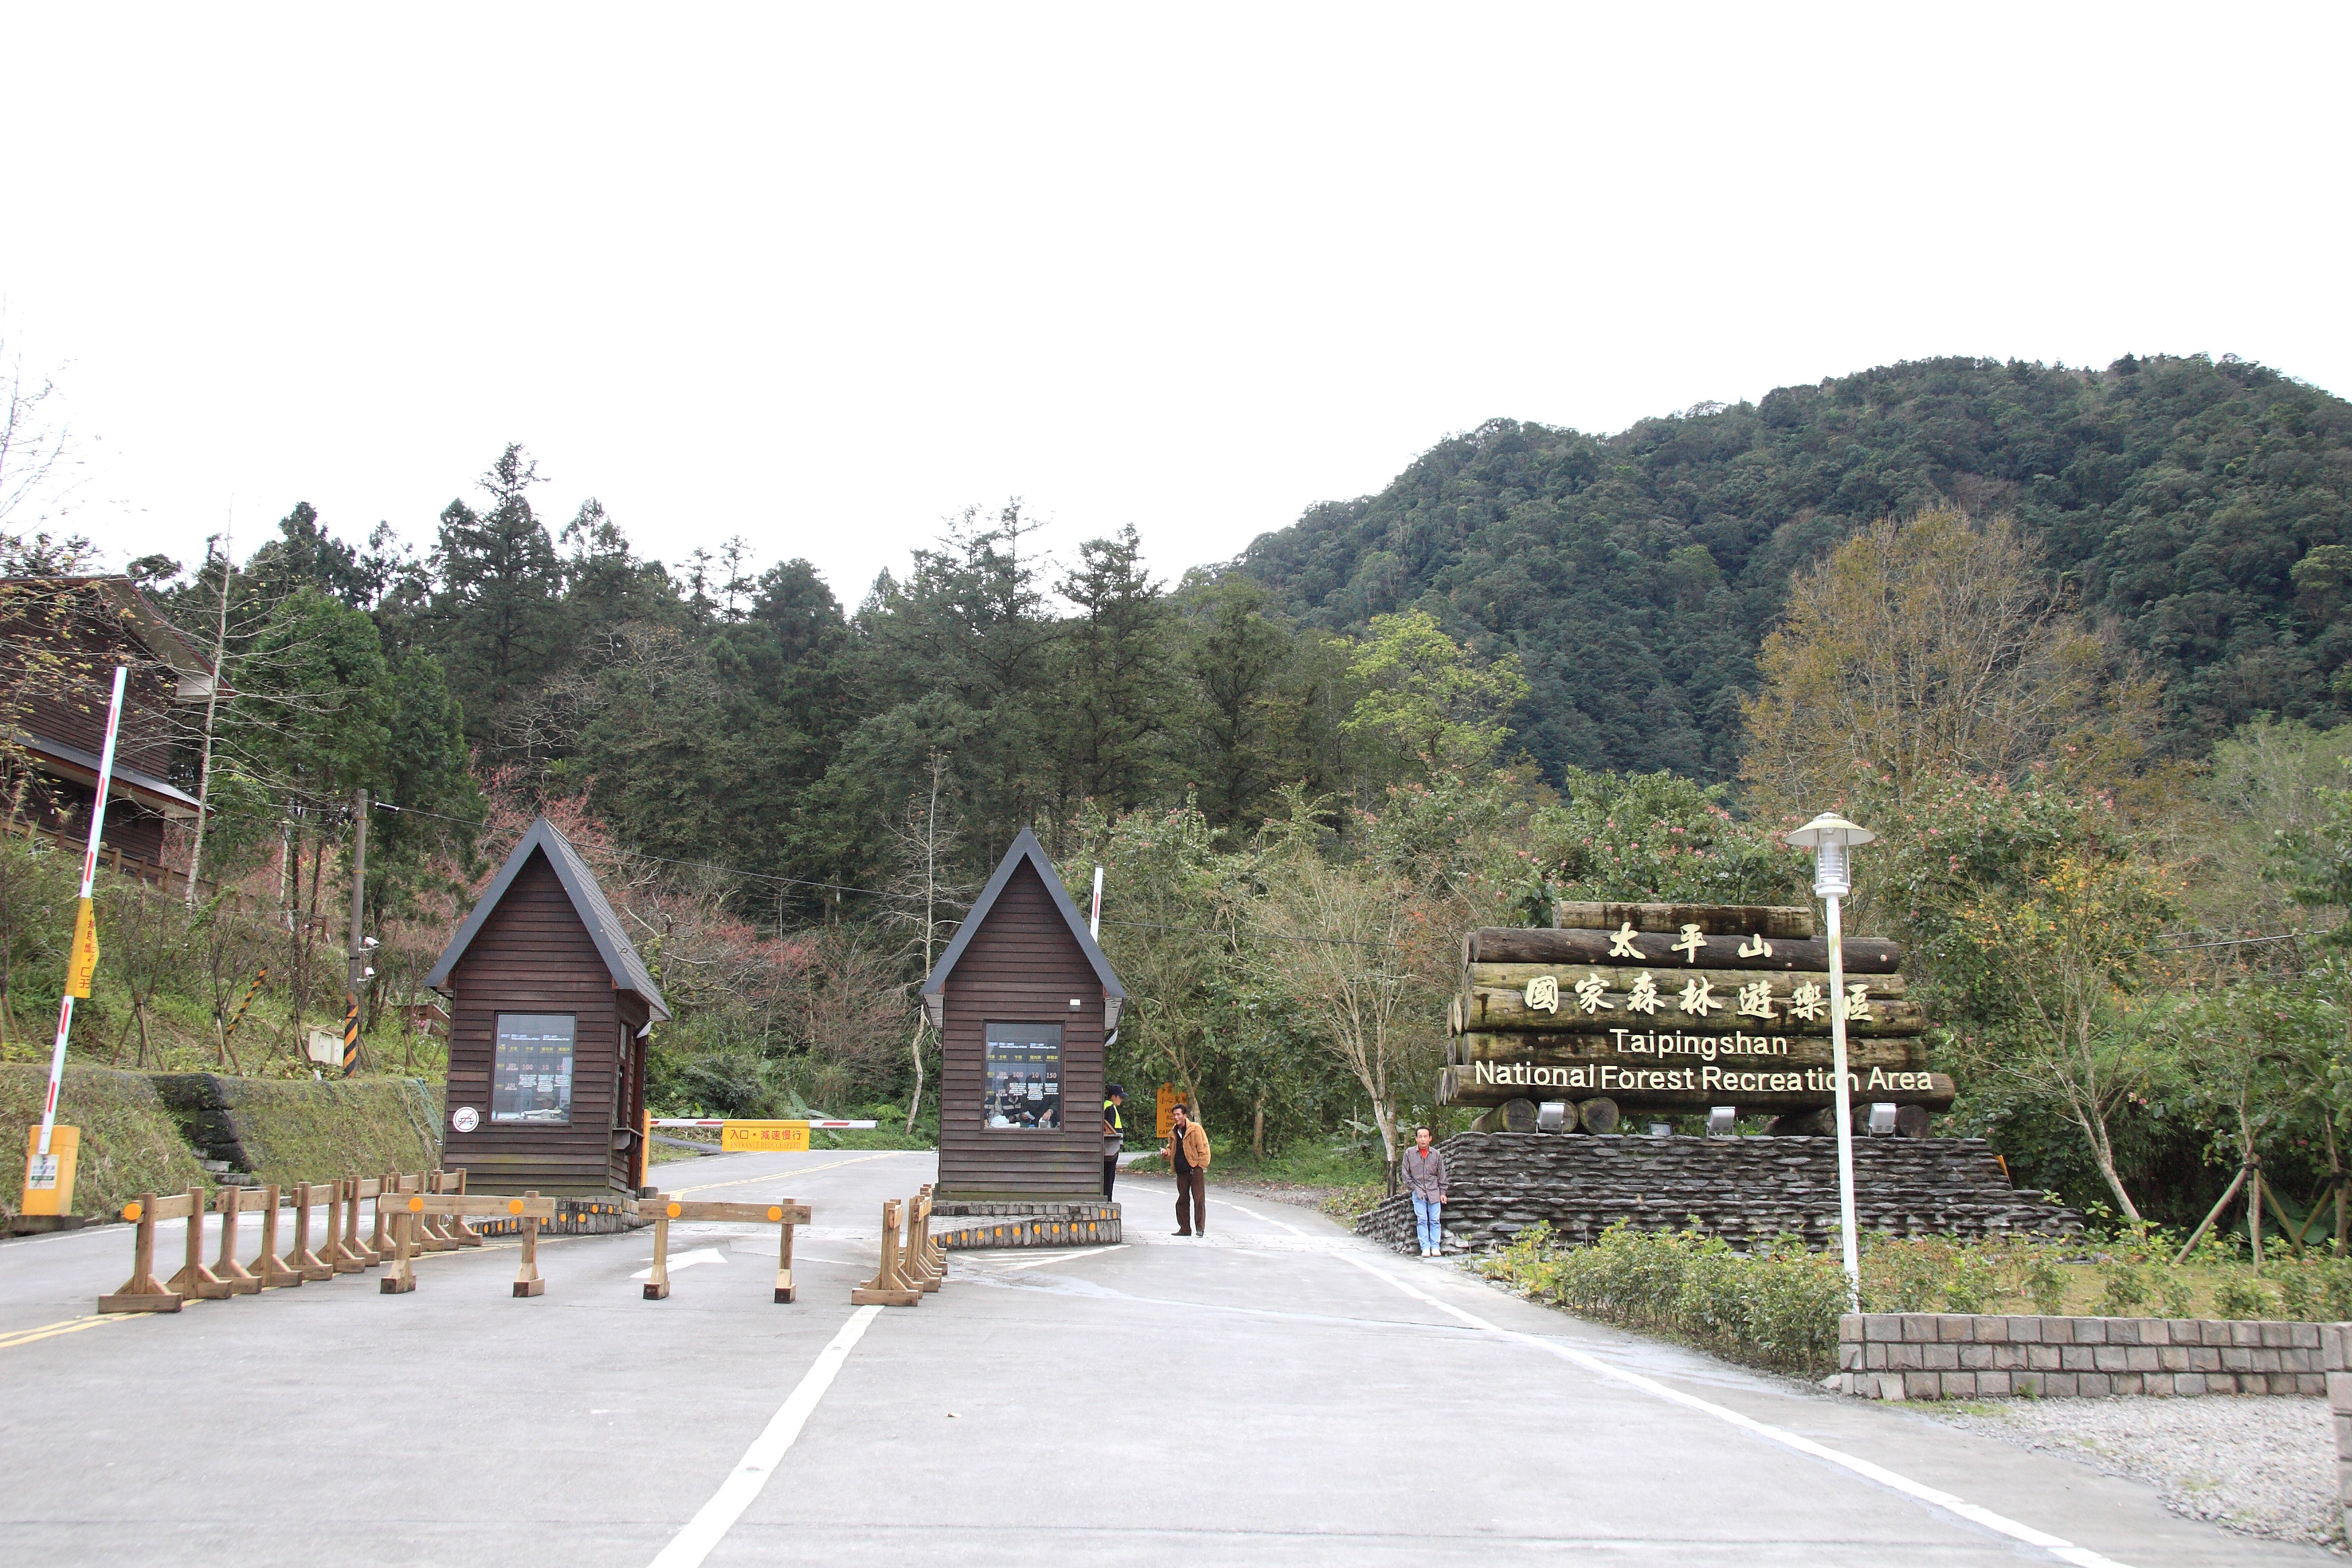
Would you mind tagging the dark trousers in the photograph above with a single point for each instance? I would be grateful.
(1110, 1175)
(1192, 1200)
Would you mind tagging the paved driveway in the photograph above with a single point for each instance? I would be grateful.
(1276, 1394)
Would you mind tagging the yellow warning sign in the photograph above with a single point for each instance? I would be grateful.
(84, 961)
(771, 1137)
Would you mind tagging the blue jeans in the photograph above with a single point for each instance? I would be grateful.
(1426, 1212)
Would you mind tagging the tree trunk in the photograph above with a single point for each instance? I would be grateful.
(915, 1103)
(2096, 1130)
(1258, 1131)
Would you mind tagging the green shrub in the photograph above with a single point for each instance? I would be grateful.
(2243, 1296)
(2128, 1289)
(2315, 1288)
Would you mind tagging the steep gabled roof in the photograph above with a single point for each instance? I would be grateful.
(1024, 847)
(621, 960)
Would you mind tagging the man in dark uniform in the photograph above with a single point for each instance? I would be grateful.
(1114, 1135)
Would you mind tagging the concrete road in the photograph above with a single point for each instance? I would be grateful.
(1276, 1393)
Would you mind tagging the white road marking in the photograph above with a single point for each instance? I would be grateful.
(691, 1545)
(1066, 1256)
(1268, 1218)
(685, 1260)
(2065, 1550)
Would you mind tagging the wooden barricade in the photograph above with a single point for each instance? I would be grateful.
(409, 1214)
(346, 1253)
(141, 1292)
(302, 1259)
(888, 1287)
(915, 1265)
(341, 1253)
(272, 1270)
(231, 1202)
(664, 1208)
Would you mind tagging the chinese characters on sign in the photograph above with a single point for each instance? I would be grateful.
(1543, 993)
(1022, 1088)
(531, 1069)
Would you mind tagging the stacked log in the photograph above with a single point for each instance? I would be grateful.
(1677, 1009)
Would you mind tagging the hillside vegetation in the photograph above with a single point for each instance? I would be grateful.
(2200, 511)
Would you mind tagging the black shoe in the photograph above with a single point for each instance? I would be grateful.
(1180, 1233)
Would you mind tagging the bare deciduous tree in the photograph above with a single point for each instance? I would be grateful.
(922, 901)
(1926, 647)
(1336, 940)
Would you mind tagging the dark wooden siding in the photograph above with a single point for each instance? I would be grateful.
(1021, 967)
(533, 955)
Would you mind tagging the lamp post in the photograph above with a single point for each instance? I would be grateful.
(1829, 836)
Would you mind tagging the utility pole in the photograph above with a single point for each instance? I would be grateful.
(359, 970)
(212, 704)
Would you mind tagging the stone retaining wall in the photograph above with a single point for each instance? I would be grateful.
(960, 1225)
(1746, 1190)
(1948, 1356)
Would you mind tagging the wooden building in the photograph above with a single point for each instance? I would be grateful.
(1024, 1000)
(60, 640)
(548, 1009)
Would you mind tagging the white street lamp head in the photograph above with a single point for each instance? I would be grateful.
(1829, 836)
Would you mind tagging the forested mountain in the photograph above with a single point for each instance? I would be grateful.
(2202, 510)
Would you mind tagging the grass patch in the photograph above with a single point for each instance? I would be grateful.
(315, 1130)
(130, 1144)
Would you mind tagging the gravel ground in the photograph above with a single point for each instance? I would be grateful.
(2262, 1465)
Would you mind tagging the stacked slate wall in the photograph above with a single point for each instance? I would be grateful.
(1746, 1190)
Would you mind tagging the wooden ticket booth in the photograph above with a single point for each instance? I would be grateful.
(549, 1010)
(1024, 1001)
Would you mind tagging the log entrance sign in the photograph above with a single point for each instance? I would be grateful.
(1024, 1003)
(550, 1008)
(1681, 1008)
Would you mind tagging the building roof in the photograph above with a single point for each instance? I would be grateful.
(145, 623)
(81, 766)
(621, 961)
(1024, 847)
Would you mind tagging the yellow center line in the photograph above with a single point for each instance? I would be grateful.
(51, 1331)
(100, 1319)
(788, 1175)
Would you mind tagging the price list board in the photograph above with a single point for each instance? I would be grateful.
(530, 1075)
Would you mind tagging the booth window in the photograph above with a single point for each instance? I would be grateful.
(1022, 1090)
(530, 1076)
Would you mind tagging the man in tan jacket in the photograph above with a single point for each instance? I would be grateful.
(1188, 1156)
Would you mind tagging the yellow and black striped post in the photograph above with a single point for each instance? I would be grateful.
(250, 992)
(351, 1033)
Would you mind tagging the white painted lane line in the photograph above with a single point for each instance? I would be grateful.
(2065, 1550)
(685, 1260)
(1064, 1257)
(691, 1545)
(1266, 1218)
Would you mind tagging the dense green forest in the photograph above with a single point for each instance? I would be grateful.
(1531, 668)
(2202, 510)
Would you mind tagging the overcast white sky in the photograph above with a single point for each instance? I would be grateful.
(823, 277)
